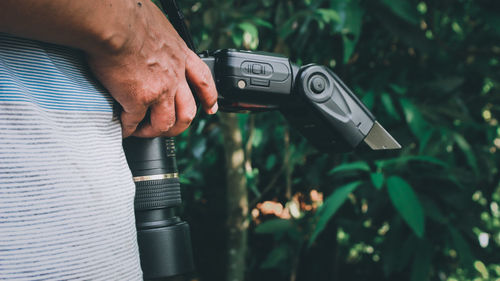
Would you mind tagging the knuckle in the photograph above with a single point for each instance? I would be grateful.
(187, 116)
(147, 98)
(188, 54)
(206, 76)
(170, 74)
(170, 89)
(164, 127)
(169, 123)
(162, 124)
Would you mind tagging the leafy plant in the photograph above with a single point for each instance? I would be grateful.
(429, 70)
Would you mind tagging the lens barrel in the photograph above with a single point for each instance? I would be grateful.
(164, 239)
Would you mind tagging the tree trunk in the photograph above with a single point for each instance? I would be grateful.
(237, 198)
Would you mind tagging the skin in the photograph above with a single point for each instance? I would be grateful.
(132, 49)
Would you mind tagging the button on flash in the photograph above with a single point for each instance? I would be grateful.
(242, 84)
(257, 69)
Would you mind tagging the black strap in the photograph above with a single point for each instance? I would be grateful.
(176, 17)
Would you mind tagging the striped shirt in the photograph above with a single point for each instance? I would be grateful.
(66, 193)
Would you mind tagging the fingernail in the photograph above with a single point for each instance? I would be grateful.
(214, 109)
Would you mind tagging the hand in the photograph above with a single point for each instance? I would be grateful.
(150, 71)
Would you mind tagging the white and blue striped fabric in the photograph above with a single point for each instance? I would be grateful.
(66, 193)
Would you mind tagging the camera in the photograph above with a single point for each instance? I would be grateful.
(312, 98)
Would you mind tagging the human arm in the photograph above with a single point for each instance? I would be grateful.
(133, 51)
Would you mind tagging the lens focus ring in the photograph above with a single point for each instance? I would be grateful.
(154, 194)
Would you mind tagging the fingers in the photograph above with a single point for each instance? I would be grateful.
(170, 116)
(185, 109)
(200, 78)
(130, 120)
(173, 111)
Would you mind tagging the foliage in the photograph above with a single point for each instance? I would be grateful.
(429, 71)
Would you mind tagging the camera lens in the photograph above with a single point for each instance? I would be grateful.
(164, 239)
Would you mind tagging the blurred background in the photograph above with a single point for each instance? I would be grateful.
(263, 204)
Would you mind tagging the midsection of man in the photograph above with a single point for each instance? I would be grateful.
(66, 193)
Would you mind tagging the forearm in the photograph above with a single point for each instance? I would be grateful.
(91, 25)
(132, 49)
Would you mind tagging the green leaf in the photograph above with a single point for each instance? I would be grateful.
(389, 106)
(237, 38)
(414, 119)
(403, 160)
(349, 47)
(432, 210)
(422, 263)
(253, 187)
(377, 180)
(328, 15)
(461, 246)
(276, 256)
(257, 137)
(406, 252)
(252, 174)
(408, 33)
(396, 256)
(261, 22)
(481, 268)
(424, 158)
(424, 141)
(447, 84)
(467, 150)
(290, 25)
(398, 89)
(199, 147)
(351, 28)
(404, 9)
(369, 100)
(286, 29)
(407, 204)
(270, 162)
(184, 180)
(274, 226)
(250, 28)
(201, 126)
(243, 124)
(360, 165)
(330, 207)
